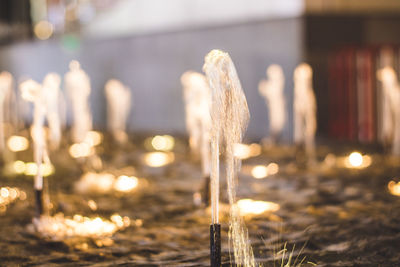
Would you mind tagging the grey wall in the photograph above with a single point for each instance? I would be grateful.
(152, 65)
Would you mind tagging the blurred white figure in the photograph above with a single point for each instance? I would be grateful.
(6, 93)
(197, 97)
(118, 107)
(77, 84)
(391, 95)
(52, 100)
(305, 124)
(272, 91)
(32, 91)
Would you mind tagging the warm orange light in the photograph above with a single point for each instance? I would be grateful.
(43, 30)
(355, 159)
(121, 221)
(256, 207)
(19, 167)
(158, 159)
(59, 227)
(261, 171)
(31, 169)
(86, 148)
(125, 183)
(92, 204)
(80, 150)
(95, 182)
(93, 138)
(273, 168)
(255, 150)
(17, 143)
(8, 195)
(243, 151)
(105, 183)
(163, 142)
(394, 188)
(358, 161)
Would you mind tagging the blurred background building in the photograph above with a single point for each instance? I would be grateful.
(148, 44)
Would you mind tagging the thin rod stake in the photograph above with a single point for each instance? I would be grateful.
(215, 245)
(39, 202)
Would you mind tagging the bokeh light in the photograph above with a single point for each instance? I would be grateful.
(355, 159)
(262, 171)
(43, 30)
(243, 151)
(126, 183)
(81, 150)
(163, 142)
(358, 161)
(394, 188)
(31, 169)
(256, 207)
(17, 143)
(158, 159)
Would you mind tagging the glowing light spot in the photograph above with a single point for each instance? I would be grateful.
(117, 220)
(92, 204)
(85, 149)
(8, 195)
(259, 171)
(158, 159)
(256, 207)
(59, 227)
(95, 182)
(367, 160)
(13, 193)
(47, 169)
(255, 150)
(357, 160)
(31, 169)
(138, 222)
(4, 192)
(17, 143)
(92, 182)
(273, 168)
(43, 30)
(243, 151)
(104, 181)
(93, 138)
(19, 167)
(125, 183)
(163, 142)
(104, 242)
(80, 150)
(394, 188)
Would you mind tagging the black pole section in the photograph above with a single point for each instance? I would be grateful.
(206, 192)
(39, 202)
(215, 245)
